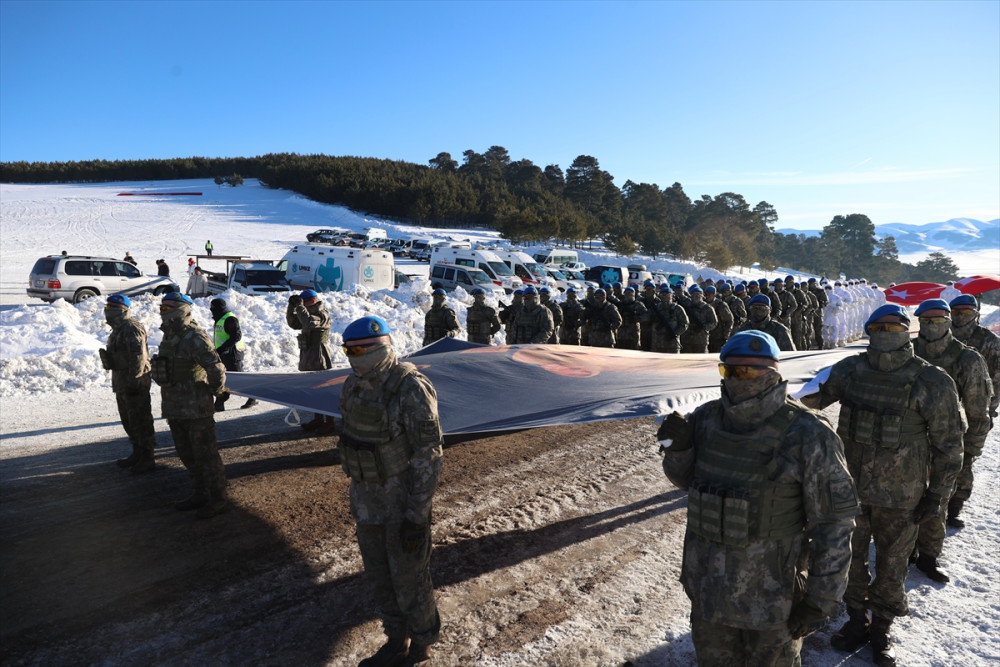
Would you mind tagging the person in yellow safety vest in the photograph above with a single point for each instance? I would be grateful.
(228, 339)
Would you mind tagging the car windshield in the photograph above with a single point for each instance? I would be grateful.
(480, 277)
(553, 273)
(500, 268)
(575, 275)
(263, 277)
(535, 269)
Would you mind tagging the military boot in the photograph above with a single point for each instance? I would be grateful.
(249, 404)
(929, 566)
(420, 656)
(143, 465)
(218, 503)
(197, 500)
(954, 509)
(853, 634)
(883, 652)
(390, 654)
(130, 460)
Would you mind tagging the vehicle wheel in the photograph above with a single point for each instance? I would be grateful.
(160, 291)
(85, 293)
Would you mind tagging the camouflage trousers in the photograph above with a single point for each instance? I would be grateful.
(404, 593)
(665, 343)
(718, 645)
(930, 539)
(601, 338)
(483, 340)
(963, 484)
(894, 534)
(136, 414)
(194, 440)
(646, 336)
(627, 341)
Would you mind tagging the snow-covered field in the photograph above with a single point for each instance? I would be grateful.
(54, 394)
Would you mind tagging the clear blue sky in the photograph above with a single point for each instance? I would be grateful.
(891, 109)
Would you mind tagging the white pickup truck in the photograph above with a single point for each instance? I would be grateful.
(243, 275)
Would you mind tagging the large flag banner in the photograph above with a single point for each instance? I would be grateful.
(485, 388)
(913, 294)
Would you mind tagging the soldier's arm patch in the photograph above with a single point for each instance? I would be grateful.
(843, 499)
(429, 430)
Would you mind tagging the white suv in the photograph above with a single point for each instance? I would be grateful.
(75, 278)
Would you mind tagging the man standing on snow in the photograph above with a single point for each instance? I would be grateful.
(306, 313)
(127, 357)
(227, 336)
(393, 453)
(902, 430)
(208, 248)
(197, 285)
(441, 320)
(481, 320)
(768, 488)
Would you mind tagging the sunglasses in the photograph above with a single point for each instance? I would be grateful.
(356, 350)
(729, 372)
(934, 320)
(887, 327)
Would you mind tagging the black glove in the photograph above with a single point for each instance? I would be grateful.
(929, 505)
(806, 618)
(412, 535)
(675, 428)
(295, 300)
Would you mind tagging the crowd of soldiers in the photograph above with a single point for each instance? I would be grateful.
(799, 315)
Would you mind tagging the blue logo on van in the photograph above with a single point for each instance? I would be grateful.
(369, 272)
(329, 277)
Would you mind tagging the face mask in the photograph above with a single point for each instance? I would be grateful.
(963, 318)
(479, 299)
(628, 297)
(175, 314)
(884, 341)
(696, 297)
(438, 301)
(114, 315)
(370, 361)
(740, 390)
(759, 314)
(932, 332)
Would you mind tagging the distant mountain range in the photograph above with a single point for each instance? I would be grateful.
(957, 234)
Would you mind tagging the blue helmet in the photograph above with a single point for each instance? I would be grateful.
(438, 292)
(710, 289)
(478, 291)
(750, 343)
(887, 309)
(965, 300)
(120, 300)
(371, 326)
(664, 287)
(529, 291)
(183, 299)
(519, 292)
(739, 289)
(648, 284)
(308, 294)
(630, 289)
(544, 290)
(760, 298)
(606, 286)
(932, 304)
(600, 292)
(695, 289)
(571, 290)
(618, 285)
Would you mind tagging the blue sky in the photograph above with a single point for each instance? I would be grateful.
(891, 109)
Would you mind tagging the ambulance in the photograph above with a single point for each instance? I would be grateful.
(327, 268)
(486, 260)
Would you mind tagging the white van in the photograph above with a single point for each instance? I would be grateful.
(331, 269)
(557, 256)
(486, 260)
(525, 268)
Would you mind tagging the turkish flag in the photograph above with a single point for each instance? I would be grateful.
(978, 284)
(913, 294)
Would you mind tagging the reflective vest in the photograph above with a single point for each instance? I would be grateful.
(368, 452)
(733, 498)
(219, 335)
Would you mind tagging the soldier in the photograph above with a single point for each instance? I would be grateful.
(393, 456)
(820, 294)
(306, 313)
(701, 321)
(572, 310)
(789, 306)
(534, 321)
(481, 320)
(633, 314)
(669, 322)
(227, 336)
(736, 304)
(588, 306)
(127, 357)
(508, 315)
(936, 345)
(759, 310)
(614, 297)
(798, 316)
(720, 334)
(809, 315)
(768, 488)
(440, 321)
(648, 299)
(544, 296)
(965, 328)
(902, 430)
(603, 321)
(191, 376)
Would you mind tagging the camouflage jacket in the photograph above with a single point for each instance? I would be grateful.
(481, 322)
(754, 586)
(725, 317)
(413, 418)
(440, 323)
(778, 331)
(314, 341)
(669, 322)
(573, 312)
(737, 308)
(196, 372)
(533, 325)
(129, 357)
(968, 369)
(896, 474)
(701, 321)
(987, 344)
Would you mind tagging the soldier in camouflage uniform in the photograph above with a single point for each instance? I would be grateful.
(391, 448)
(820, 293)
(508, 315)
(966, 367)
(798, 316)
(191, 376)
(736, 305)
(572, 310)
(544, 296)
(481, 320)
(603, 321)
(965, 328)
(534, 321)
(759, 309)
(306, 313)
(720, 334)
(768, 489)
(809, 316)
(127, 357)
(701, 321)
(669, 322)
(902, 430)
(648, 298)
(440, 321)
(633, 314)
(789, 306)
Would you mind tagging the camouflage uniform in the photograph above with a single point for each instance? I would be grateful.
(314, 341)
(569, 332)
(987, 344)
(191, 375)
(482, 322)
(902, 428)
(768, 488)
(968, 369)
(720, 334)
(778, 331)
(557, 315)
(127, 357)
(789, 306)
(391, 448)
(603, 322)
(533, 324)
(701, 321)
(798, 316)
(648, 299)
(737, 307)
(669, 322)
(440, 322)
(817, 319)
(808, 330)
(633, 314)
(508, 315)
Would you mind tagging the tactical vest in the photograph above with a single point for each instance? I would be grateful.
(875, 409)
(313, 339)
(477, 320)
(219, 335)
(434, 327)
(949, 358)
(168, 368)
(368, 452)
(733, 498)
